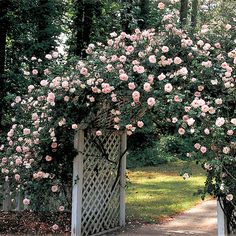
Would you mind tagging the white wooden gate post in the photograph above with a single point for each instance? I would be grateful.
(123, 179)
(77, 185)
(221, 221)
(6, 197)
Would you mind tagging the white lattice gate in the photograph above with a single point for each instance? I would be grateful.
(98, 202)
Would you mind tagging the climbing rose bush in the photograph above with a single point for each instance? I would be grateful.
(134, 81)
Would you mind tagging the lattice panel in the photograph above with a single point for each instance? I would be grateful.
(100, 205)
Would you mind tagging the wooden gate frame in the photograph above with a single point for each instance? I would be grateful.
(77, 194)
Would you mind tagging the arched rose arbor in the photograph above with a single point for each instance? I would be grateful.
(158, 77)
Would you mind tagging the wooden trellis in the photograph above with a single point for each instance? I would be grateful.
(98, 198)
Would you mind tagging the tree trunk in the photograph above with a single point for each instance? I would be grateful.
(144, 7)
(3, 35)
(194, 14)
(184, 12)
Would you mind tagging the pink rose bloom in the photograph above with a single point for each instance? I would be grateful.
(48, 56)
(26, 201)
(65, 84)
(54, 145)
(161, 76)
(218, 101)
(147, 87)
(18, 161)
(203, 149)
(177, 60)
(161, 5)
(114, 58)
(168, 87)
(187, 108)
(74, 126)
(165, 49)
(220, 121)
(233, 121)
(140, 69)
(151, 101)
(26, 131)
(122, 59)
(110, 42)
(183, 71)
(54, 188)
(136, 96)
(43, 83)
(197, 146)
(123, 77)
(174, 120)
(61, 208)
(140, 124)
(55, 227)
(35, 72)
(84, 71)
(51, 97)
(131, 86)
(106, 88)
(181, 131)
(17, 177)
(207, 64)
(98, 133)
(230, 132)
(206, 131)
(150, 79)
(130, 49)
(190, 121)
(48, 158)
(109, 68)
(226, 150)
(116, 119)
(152, 59)
(18, 149)
(177, 99)
(205, 108)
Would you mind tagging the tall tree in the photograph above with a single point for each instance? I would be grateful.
(144, 12)
(194, 13)
(184, 12)
(4, 4)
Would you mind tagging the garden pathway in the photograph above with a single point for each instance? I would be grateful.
(198, 221)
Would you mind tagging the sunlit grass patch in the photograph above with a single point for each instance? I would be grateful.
(158, 192)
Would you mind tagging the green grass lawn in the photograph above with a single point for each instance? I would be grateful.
(155, 193)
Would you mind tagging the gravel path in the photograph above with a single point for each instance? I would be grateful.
(198, 221)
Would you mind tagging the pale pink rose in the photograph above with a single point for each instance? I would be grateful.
(185, 118)
(161, 5)
(187, 108)
(150, 79)
(109, 67)
(66, 98)
(207, 64)
(205, 108)
(230, 132)
(217, 45)
(74, 126)
(220, 121)
(48, 158)
(174, 120)
(54, 145)
(51, 97)
(26, 131)
(161, 76)
(151, 101)
(165, 49)
(212, 110)
(147, 87)
(48, 56)
(140, 124)
(181, 131)
(55, 227)
(110, 42)
(65, 84)
(233, 121)
(84, 71)
(61, 208)
(177, 98)
(19, 149)
(46, 72)
(183, 71)
(131, 86)
(168, 87)
(98, 133)
(116, 119)
(226, 150)
(114, 58)
(206, 131)
(203, 149)
(4, 160)
(122, 59)
(197, 146)
(26, 201)
(18, 161)
(140, 69)
(136, 96)
(18, 99)
(207, 46)
(55, 55)
(228, 27)
(177, 60)
(190, 121)
(130, 49)
(152, 59)
(35, 72)
(123, 77)
(54, 188)
(218, 101)
(17, 177)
